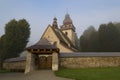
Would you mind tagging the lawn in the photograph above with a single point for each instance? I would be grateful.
(4, 71)
(90, 73)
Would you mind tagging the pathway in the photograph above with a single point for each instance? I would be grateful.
(36, 75)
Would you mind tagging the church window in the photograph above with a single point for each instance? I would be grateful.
(66, 33)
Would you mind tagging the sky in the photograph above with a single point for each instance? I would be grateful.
(40, 13)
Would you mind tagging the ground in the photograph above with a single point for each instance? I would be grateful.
(36, 75)
(109, 73)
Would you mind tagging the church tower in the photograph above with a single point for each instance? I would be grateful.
(69, 29)
(55, 25)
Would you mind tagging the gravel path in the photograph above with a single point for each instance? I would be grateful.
(36, 75)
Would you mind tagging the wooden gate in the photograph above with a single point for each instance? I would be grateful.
(45, 62)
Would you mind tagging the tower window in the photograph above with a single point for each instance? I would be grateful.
(66, 33)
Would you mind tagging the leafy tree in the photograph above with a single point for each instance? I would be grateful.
(106, 39)
(117, 24)
(17, 34)
(16, 37)
(109, 37)
(89, 40)
(2, 50)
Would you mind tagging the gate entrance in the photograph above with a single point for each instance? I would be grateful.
(45, 62)
(42, 55)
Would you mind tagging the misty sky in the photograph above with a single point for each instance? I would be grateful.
(40, 13)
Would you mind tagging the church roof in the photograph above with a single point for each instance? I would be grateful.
(42, 44)
(63, 38)
(67, 23)
(67, 19)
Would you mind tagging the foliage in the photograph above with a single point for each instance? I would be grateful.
(89, 40)
(2, 50)
(106, 39)
(15, 38)
(17, 34)
(90, 73)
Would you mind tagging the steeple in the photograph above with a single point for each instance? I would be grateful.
(68, 29)
(67, 19)
(55, 25)
(67, 23)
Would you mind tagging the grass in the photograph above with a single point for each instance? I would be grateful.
(4, 71)
(90, 73)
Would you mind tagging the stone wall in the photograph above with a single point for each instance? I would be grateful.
(73, 60)
(85, 62)
(18, 65)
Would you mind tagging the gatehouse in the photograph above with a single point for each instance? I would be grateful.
(42, 55)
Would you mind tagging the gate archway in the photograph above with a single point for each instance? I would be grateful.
(42, 55)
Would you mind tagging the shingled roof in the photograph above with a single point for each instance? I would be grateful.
(63, 38)
(42, 44)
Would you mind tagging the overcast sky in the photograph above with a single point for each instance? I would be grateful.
(40, 13)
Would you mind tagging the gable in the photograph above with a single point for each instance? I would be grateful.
(56, 36)
(50, 35)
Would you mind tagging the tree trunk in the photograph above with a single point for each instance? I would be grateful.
(1, 65)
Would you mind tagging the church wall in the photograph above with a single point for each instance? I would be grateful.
(50, 36)
(89, 62)
(63, 48)
(70, 34)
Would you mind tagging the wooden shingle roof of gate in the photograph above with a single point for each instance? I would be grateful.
(42, 44)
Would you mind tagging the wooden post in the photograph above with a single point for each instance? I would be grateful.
(30, 62)
(55, 61)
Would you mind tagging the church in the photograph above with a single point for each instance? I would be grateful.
(54, 40)
(63, 37)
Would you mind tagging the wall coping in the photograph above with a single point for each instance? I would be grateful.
(72, 55)
(89, 54)
(17, 59)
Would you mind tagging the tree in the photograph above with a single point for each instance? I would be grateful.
(106, 39)
(109, 36)
(17, 34)
(16, 37)
(2, 50)
(89, 40)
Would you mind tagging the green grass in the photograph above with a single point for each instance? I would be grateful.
(90, 73)
(4, 71)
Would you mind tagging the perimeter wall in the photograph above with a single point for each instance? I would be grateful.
(86, 62)
(67, 60)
